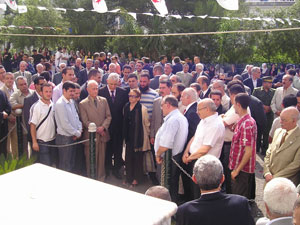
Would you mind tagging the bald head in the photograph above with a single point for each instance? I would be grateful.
(206, 108)
(92, 88)
(289, 118)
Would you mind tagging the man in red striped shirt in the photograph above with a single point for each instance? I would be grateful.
(243, 150)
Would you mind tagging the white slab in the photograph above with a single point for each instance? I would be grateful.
(44, 195)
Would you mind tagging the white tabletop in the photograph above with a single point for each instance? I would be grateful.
(42, 195)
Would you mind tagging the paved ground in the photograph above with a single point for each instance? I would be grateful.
(258, 208)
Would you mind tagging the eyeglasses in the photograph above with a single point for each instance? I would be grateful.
(132, 96)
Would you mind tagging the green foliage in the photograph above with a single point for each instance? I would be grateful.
(10, 164)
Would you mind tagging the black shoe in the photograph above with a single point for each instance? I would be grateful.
(153, 178)
(117, 174)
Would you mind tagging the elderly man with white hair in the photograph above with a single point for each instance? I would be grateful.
(95, 109)
(280, 195)
(199, 72)
(116, 97)
(283, 155)
(39, 70)
(213, 207)
(22, 72)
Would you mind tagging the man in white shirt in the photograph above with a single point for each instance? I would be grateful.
(2, 73)
(42, 125)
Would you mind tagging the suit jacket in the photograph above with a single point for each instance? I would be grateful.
(258, 113)
(154, 83)
(284, 160)
(249, 82)
(28, 102)
(99, 115)
(116, 108)
(193, 120)
(4, 106)
(83, 77)
(57, 78)
(157, 117)
(26, 74)
(215, 208)
(206, 95)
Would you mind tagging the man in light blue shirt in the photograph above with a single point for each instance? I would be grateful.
(171, 136)
(69, 127)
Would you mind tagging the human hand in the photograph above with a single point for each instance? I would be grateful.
(234, 174)
(268, 177)
(35, 146)
(185, 158)
(159, 159)
(152, 141)
(5, 115)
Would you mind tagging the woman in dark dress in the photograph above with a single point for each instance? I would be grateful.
(136, 134)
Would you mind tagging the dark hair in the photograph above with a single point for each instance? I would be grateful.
(126, 67)
(45, 85)
(146, 60)
(298, 94)
(171, 100)
(243, 99)
(162, 57)
(67, 85)
(291, 72)
(2, 67)
(289, 100)
(102, 54)
(46, 75)
(236, 89)
(93, 73)
(197, 86)
(64, 71)
(47, 66)
(204, 79)
(145, 75)
(180, 87)
(158, 68)
(215, 92)
(235, 82)
(132, 75)
(37, 79)
(166, 82)
(239, 77)
(77, 86)
(141, 62)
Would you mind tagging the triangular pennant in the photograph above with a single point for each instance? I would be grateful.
(12, 4)
(161, 6)
(229, 4)
(100, 6)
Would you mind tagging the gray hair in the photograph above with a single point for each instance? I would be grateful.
(113, 64)
(21, 78)
(158, 68)
(200, 66)
(91, 82)
(255, 69)
(62, 64)
(191, 93)
(40, 65)
(114, 76)
(220, 82)
(178, 79)
(171, 100)
(280, 195)
(209, 103)
(208, 171)
(159, 192)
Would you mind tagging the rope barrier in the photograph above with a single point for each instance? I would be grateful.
(1, 140)
(186, 173)
(149, 35)
(66, 145)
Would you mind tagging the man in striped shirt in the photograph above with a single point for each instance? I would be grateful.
(148, 94)
(243, 150)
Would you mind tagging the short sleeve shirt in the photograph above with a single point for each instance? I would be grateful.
(245, 134)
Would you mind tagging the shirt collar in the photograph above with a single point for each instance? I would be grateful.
(188, 106)
(66, 100)
(110, 90)
(292, 130)
(278, 219)
(211, 192)
(175, 111)
(210, 118)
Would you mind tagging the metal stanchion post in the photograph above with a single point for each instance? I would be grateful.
(92, 149)
(168, 169)
(20, 132)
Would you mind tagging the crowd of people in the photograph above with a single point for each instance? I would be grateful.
(213, 124)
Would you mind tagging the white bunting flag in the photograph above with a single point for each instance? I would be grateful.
(12, 4)
(42, 8)
(161, 6)
(61, 9)
(22, 8)
(229, 4)
(3, 7)
(133, 15)
(100, 6)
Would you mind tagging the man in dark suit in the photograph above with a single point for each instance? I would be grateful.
(213, 207)
(5, 110)
(157, 72)
(30, 100)
(95, 75)
(204, 84)
(254, 81)
(83, 74)
(189, 99)
(116, 98)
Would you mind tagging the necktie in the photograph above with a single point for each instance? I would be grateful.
(283, 138)
(184, 111)
(23, 74)
(95, 102)
(113, 96)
